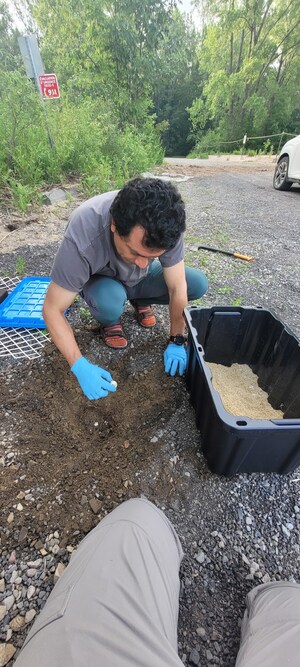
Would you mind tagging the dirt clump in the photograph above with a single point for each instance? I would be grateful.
(68, 448)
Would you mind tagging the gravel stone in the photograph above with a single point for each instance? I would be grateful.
(194, 657)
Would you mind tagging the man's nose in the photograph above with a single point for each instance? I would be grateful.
(142, 262)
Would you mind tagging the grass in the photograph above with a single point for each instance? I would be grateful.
(20, 266)
(85, 315)
(238, 301)
(224, 290)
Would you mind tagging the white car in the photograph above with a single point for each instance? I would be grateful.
(287, 170)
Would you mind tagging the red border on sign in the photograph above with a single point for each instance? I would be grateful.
(49, 86)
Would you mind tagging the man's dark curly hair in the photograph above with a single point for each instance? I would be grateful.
(153, 204)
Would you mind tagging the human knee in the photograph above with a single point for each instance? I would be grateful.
(197, 284)
(106, 299)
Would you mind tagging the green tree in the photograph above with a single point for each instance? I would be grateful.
(134, 33)
(9, 51)
(177, 82)
(104, 49)
(250, 55)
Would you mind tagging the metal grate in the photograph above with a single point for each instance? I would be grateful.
(20, 343)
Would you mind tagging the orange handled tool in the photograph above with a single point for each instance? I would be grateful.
(238, 255)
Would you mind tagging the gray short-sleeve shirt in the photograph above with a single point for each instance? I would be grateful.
(88, 249)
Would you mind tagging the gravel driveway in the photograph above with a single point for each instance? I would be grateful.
(236, 532)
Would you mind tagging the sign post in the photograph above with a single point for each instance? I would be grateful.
(30, 53)
(34, 69)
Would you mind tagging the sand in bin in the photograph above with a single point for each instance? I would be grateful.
(240, 393)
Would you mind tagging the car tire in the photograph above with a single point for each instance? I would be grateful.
(280, 178)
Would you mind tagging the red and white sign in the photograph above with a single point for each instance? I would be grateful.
(49, 86)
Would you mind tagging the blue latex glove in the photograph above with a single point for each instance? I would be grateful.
(175, 359)
(95, 382)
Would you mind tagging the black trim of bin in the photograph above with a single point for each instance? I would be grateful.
(257, 337)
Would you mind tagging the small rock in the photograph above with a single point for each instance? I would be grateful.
(12, 558)
(2, 585)
(30, 592)
(29, 616)
(10, 517)
(6, 653)
(200, 557)
(254, 567)
(9, 602)
(3, 611)
(14, 576)
(58, 572)
(154, 439)
(194, 657)
(38, 544)
(23, 534)
(55, 549)
(54, 195)
(20, 507)
(35, 563)
(245, 559)
(17, 623)
(31, 572)
(201, 632)
(285, 531)
(95, 505)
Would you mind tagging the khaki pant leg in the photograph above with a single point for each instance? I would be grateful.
(271, 627)
(116, 605)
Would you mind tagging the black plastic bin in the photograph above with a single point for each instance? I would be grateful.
(256, 337)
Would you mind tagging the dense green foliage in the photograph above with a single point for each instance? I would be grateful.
(137, 78)
(249, 55)
(177, 82)
(102, 127)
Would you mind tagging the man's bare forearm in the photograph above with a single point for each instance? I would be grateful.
(62, 336)
(176, 306)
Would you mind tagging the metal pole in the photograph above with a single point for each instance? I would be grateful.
(51, 142)
(280, 142)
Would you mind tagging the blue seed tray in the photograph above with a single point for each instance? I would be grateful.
(23, 306)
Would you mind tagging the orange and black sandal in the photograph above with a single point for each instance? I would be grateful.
(145, 316)
(113, 336)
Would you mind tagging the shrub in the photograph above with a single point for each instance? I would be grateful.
(86, 137)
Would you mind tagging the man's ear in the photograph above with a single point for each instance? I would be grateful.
(113, 226)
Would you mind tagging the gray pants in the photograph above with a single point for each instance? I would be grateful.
(271, 626)
(116, 605)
